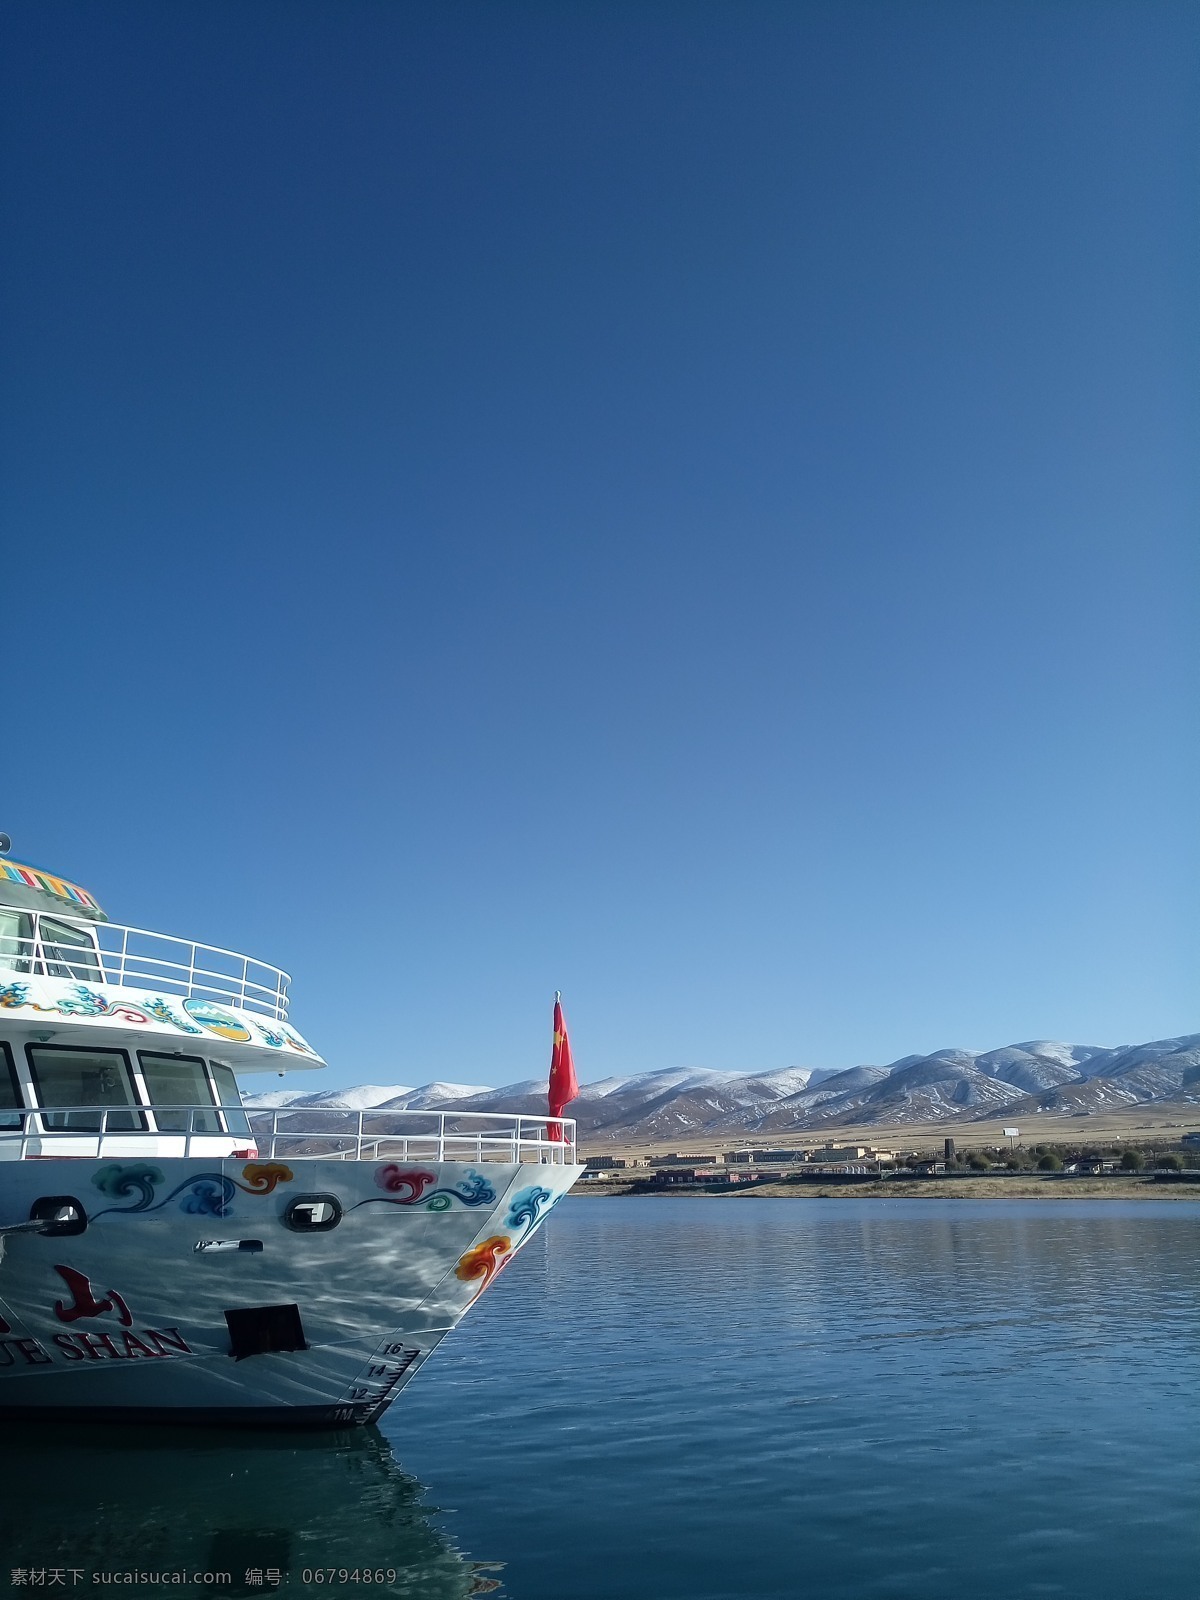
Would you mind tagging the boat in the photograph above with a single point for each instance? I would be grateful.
(169, 1255)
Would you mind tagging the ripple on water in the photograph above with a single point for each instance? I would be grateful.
(682, 1398)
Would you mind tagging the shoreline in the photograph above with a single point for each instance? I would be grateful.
(1048, 1187)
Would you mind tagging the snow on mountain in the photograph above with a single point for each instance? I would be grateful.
(932, 1089)
(274, 1100)
(784, 1081)
(1126, 1057)
(1169, 1075)
(658, 1081)
(1024, 1069)
(365, 1097)
(601, 1087)
(681, 1103)
(527, 1089)
(1067, 1055)
(435, 1096)
(952, 1058)
(527, 1099)
(835, 1085)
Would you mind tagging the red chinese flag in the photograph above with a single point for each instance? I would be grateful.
(563, 1087)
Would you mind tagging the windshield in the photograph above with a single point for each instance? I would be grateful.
(66, 1076)
(227, 1094)
(16, 929)
(69, 952)
(178, 1082)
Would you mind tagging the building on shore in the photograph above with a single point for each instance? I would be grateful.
(833, 1153)
(749, 1158)
(667, 1177)
(678, 1158)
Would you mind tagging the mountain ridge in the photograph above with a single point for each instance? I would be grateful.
(1048, 1077)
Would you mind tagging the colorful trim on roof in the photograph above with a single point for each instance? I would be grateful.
(34, 878)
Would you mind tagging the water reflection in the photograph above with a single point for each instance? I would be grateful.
(91, 1500)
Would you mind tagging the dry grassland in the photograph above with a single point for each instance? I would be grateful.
(1133, 1125)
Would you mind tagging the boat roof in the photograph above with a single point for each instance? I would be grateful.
(31, 888)
(128, 985)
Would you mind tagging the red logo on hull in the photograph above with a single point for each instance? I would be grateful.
(84, 1302)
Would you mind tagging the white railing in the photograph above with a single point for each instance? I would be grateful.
(412, 1135)
(62, 1131)
(335, 1135)
(134, 958)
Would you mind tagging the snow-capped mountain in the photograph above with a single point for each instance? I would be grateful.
(1040, 1075)
(366, 1097)
(362, 1098)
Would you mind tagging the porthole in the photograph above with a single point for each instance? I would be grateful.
(63, 1215)
(312, 1213)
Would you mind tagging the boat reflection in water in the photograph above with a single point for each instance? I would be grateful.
(93, 1504)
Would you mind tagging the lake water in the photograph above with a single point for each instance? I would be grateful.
(718, 1399)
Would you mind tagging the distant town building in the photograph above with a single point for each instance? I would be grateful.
(778, 1158)
(669, 1176)
(844, 1169)
(1192, 1140)
(680, 1158)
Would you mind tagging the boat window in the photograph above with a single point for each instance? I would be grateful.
(10, 1093)
(227, 1095)
(64, 1075)
(16, 940)
(69, 952)
(178, 1082)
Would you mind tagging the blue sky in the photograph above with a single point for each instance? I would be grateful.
(692, 505)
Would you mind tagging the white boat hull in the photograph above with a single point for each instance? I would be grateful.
(190, 1297)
